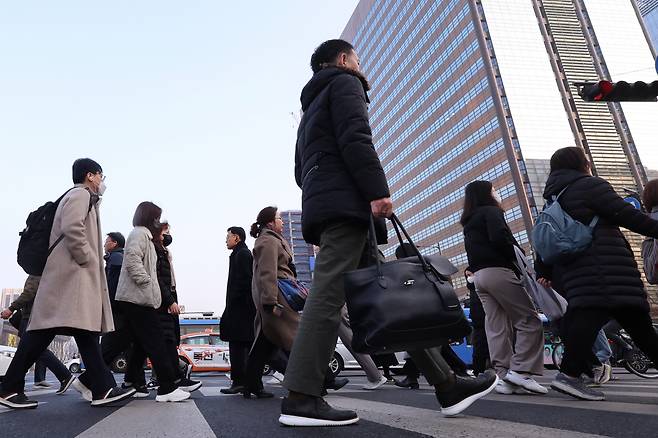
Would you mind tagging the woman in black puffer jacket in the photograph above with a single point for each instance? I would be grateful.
(603, 282)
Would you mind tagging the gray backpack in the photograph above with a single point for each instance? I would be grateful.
(556, 236)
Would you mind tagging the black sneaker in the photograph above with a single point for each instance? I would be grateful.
(113, 395)
(337, 383)
(407, 383)
(65, 385)
(465, 392)
(188, 385)
(152, 384)
(314, 411)
(234, 389)
(140, 391)
(15, 400)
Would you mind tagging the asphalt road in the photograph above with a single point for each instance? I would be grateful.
(630, 410)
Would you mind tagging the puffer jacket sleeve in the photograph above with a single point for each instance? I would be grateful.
(133, 257)
(266, 257)
(73, 213)
(349, 112)
(605, 202)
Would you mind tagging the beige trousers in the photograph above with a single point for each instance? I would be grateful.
(509, 309)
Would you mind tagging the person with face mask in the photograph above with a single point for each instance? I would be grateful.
(515, 334)
(168, 313)
(72, 297)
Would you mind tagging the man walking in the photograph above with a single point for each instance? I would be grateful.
(72, 298)
(343, 184)
(237, 323)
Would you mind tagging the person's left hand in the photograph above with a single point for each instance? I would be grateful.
(6, 314)
(174, 309)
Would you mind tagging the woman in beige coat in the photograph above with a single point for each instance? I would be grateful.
(72, 298)
(276, 322)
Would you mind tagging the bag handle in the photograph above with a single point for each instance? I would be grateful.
(397, 225)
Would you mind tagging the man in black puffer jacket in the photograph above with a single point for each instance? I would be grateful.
(603, 282)
(343, 186)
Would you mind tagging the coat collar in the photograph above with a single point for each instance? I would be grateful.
(238, 247)
(283, 241)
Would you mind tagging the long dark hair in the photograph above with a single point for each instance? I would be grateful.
(572, 158)
(266, 215)
(477, 194)
(148, 215)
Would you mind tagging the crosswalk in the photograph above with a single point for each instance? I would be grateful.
(389, 411)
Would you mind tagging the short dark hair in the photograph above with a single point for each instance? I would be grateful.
(650, 195)
(148, 215)
(238, 231)
(266, 215)
(477, 194)
(117, 238)
(83, 166)
(573, 158)
(327, 52)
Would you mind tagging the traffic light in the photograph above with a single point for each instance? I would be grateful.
(606, 91)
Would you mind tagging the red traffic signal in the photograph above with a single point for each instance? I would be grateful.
(606, 91)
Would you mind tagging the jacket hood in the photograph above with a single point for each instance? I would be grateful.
(324, 77)
(560, 179)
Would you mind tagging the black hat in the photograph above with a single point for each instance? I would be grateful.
(83, 166)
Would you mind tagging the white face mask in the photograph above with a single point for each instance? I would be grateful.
(101, 188)
(497, 197)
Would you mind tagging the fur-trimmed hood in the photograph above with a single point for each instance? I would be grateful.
(323, 78)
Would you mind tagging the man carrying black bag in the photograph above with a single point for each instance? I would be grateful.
(343, 185)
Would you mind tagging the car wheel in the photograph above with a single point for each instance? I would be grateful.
(119, 364)
(336, 365)
(74, 368)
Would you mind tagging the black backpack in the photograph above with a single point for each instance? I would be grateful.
(33, 247)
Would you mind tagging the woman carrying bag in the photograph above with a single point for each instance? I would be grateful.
(490, 247)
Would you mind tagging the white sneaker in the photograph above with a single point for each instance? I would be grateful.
(82, 389)
(176, 395)
(374, 385)
(276, 379)
(602, 375)
(506, 388)
(526, 382)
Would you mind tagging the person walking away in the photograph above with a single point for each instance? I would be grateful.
(603, 282)
(139, 297)
(72, 298)
(515, 333)
(47, 359)
(236, 325)
(343, 184)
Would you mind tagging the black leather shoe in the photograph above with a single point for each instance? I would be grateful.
(407, 383)
(234, 389)
(465, 392)
(314, 411)
(337, 383)
(258, 394)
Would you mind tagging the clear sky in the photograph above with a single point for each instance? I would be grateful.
(186, 104)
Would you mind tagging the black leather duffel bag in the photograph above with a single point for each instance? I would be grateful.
(403, 305)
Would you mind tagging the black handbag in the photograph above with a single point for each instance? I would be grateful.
(405, 304)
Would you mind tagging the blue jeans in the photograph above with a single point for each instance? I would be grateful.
(602, 348)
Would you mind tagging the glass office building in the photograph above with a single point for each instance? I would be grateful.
(471, 89)
(303, 253)
(648, 12)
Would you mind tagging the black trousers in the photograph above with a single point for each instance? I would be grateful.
(582, 325)
(481, 360)
(47, 359)
(259, 355)
(410, 369)
(238, 352)
(97, 376)
(143, 324)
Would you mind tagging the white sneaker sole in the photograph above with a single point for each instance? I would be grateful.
(568, 390)
(468, 401)
(171, 399)
(8, 404)
(292, 420)
(138, 394)
(106, 401)
(377, 385)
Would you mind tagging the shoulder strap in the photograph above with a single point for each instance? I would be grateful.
(61, 237)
